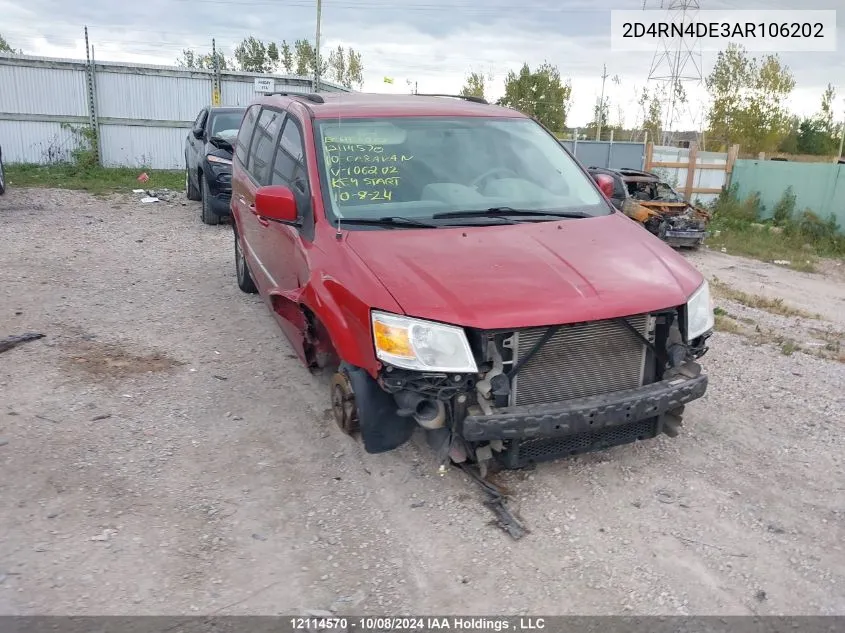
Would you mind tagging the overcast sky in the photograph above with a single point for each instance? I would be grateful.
(431, 42)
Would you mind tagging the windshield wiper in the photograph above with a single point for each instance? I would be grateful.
(505, 211)
(389, 221)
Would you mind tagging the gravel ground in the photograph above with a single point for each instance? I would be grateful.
(163, 452)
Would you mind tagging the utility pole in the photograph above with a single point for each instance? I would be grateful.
(841, 140)
(215, 81)
(317, 48)
(600, 110)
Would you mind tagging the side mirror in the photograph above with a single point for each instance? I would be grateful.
(605, 183)
(276, 202)
(198, 132)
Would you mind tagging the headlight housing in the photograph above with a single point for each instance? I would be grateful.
(421, 345)
(700, 316)
(218, 159)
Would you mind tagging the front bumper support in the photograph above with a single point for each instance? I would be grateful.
(584, 415)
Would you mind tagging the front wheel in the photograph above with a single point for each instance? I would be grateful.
(208, 214)
(191, 192)
(245, 282)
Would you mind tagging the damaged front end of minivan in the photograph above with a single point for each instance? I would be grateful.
(520, 396)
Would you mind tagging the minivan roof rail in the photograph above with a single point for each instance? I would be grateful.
(313, 97)
(472, 98)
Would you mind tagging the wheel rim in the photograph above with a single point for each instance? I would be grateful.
(343, 404)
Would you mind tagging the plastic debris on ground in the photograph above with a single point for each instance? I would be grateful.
(158, 195)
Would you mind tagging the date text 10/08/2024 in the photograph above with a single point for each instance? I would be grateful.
(370, 624)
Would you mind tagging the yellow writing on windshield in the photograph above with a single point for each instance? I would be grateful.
(362, 169)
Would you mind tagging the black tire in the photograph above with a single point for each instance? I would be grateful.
(191, 192)
(208, 215)
(245, 281)
(2, 176)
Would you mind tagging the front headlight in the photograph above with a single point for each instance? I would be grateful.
(700, 317)
(422, 345)
(218, 159)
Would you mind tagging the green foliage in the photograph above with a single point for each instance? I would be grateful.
(97, 180)
(729, 211)
(799, 239)
(84, 154)
(601, 114)
(785, 208)
(540, 94)
(474, 85)
(5, 47)
(345, 67)
(818, 135)
(253, 55)
(82, 170)
(652, 114)
(305, 58)
(286, 59)
(190, 59)
(749, 99)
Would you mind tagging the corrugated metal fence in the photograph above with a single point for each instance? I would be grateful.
(608, 153)
(143, 113)
(819, 187)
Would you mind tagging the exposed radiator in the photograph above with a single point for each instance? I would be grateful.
(580, 360)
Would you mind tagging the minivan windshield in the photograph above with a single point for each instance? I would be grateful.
(421, 167)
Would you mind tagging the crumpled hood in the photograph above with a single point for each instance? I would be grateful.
(527, 275)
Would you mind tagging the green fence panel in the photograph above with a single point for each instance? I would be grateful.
(819, 187)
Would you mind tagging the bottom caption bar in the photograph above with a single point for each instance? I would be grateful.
(420, 624)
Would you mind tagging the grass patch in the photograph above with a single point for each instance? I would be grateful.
(800, 238)
(774, 306)
(766, 246)
(726, 323)
(97, 180)
(789, 347)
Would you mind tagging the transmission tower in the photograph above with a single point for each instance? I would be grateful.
(675, 63)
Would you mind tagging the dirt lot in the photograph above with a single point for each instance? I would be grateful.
(162, 452)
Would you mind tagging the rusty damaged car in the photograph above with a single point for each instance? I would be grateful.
(646, 198)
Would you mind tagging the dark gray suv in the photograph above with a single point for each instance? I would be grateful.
(208, 160)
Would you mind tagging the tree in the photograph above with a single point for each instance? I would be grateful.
(474, 85)
(749, 100)
(251, 54)
(354, 69)
(272, 56)
(345, 68)
(826, 114)
(287, 57)
(540, 94)
(305, 57)
(652, 114)
(5, 47)
(601, 114)
(192, 59)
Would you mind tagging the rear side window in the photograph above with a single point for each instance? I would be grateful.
(245, 134)
(289, 157)
(264, 144)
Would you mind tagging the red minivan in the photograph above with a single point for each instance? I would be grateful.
(457, 270)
